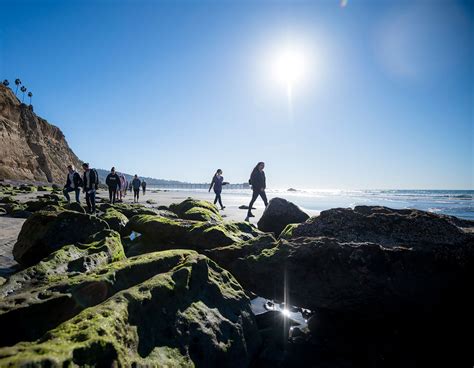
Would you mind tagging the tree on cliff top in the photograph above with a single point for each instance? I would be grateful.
(6, 83)
(23, 89)
(17, 82)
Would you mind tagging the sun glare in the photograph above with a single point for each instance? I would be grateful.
(289, 65)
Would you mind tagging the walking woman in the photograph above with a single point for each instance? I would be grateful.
(258, 183)
(218, 182)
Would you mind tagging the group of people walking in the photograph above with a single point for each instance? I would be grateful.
(118, 184)
(89, 183)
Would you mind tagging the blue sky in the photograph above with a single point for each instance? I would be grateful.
(177, 89)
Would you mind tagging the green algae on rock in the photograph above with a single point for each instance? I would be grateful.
(164, 233)
(181, 208)
(175, 308)
(101, 248)
(116, 220)
(46, 231)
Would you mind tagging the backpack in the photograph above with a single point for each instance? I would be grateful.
(96, 183)
(79, 180)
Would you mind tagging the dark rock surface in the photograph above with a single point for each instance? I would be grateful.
(46, 231)
(280, 213)
(384, 226)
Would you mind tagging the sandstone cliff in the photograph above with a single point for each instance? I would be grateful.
(31, 148)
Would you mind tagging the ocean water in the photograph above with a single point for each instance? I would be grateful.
(458, 203)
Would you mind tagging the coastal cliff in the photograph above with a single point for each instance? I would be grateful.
(32, 148)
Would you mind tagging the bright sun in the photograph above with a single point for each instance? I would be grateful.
(289, 65)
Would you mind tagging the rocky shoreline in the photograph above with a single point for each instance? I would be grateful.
(179, 285)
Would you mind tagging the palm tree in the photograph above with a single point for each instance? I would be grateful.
(30, 95)
(17, 82)
(23, 89)
(6, 83)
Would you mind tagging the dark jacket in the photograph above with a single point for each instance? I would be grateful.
(217, 182)
(93, 182)
(76, 178)
(257, 180)
(136, 183)
(113, 181)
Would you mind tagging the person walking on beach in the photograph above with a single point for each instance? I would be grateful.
(113, 182)
(144, 186)
(136, 183)
(217, 182)
(73, 184)
(123, 187)
(90, 182)
(258, 183)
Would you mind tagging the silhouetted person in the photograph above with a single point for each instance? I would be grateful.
(90, 181)
(144, 186)
(258, 183)
(136, 183)
(73, 184)
(217, 182)
(113, 182)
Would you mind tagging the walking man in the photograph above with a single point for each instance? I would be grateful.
(136, 183)
(113, 182)
(90, 181)
(73, 184)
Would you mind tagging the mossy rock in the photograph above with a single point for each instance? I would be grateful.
(201, 214)
(41, 203)
(46, 231)
(287, 232)
(116, 220)
(74, 206)
(27, 188)
(150, 201)
(99, 249)
(163, 233)
(43, 188)
(181, 208)
(9, 199)
(172, 308)
(3, 211)
(130, 210)
(11, 208)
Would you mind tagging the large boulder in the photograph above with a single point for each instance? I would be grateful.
(363, 278)
(130, 210)
(165, 309)
(192, 209)
(164, 233)
(46, 231)
(373, 304)
(384, 226)
(278, 214)
(99, 249)
(116, 220)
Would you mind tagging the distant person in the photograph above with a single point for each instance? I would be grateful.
(144, 186)
(113, 182)
(123, 187)
(136, 183)
(217, 182)
(90, 182)
(258, 183)
(130, 187)
(73, 184)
